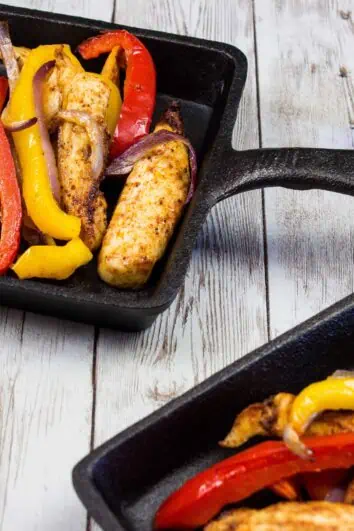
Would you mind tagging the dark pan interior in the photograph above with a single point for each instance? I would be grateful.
(137, 470)
(198, 76)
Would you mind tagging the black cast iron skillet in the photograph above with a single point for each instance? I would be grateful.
(123, 482)
(208, 78)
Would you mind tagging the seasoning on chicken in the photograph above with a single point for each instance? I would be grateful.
(309, 516)
(269, 418)
(231, 521)
(99, 98)
(148, 210)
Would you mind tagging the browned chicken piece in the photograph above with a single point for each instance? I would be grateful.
(147, 212)
(81, 195)
(267, 418)
(270, 417)
(292, 516)
(231, 520)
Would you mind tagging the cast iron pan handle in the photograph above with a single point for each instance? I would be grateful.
(297, 168)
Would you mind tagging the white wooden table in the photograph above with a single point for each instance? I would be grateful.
(263, 261)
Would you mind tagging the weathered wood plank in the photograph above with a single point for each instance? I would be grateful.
(100, 10)
(46, 397)
(304, 102)
(45, 420)
(221, 312)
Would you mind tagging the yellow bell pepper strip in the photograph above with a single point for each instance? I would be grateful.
(41, 205)
(332, 393)
(110, 68)
(52, 262)
(114, 104)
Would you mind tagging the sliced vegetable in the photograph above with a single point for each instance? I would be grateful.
(139, 87)
(323, 485)
(333, 394)
(289, 489)
(95, 134)
(123, 164)
(110, 69)
(4, 87)
(21, 125)
(38, 84)
(10, 204)
(8, 55)
(53, 262)
(34, 151)
(239, 476)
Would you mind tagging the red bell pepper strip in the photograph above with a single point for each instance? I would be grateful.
(289, 489)
(10, 204)
(245, 473)
(139, 86)
(4, 87)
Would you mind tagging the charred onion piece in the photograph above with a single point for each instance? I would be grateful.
(14, 127)
(95, 135)
(123, 164)
(339, 373)
(38, 81)
(8, 55)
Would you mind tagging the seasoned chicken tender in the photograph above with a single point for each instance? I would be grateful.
(148, 209)
(81, 195)
(292, 516)
(270, 417)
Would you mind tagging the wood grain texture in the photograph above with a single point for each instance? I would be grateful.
(95, 9)
(45, 417)
(304, 101)
(46, 397)
(221, 312)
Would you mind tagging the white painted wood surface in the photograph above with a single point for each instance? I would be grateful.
(54, 372)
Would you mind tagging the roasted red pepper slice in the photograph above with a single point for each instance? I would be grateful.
(10, 197)
(239, 476)
(4, 87)
(139, 87)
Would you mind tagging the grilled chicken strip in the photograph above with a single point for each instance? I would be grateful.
(309, 516)
(270, 417)
(80, 195)
(148, 209)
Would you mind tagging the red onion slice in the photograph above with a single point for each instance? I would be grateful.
(14, 127)
(125, 162)
(342, 374)
(95, 133)
(38, 82)
(336, 495)
(293, 442)
(8, 55)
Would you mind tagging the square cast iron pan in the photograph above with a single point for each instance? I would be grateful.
(123, 482)
(208, 78)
